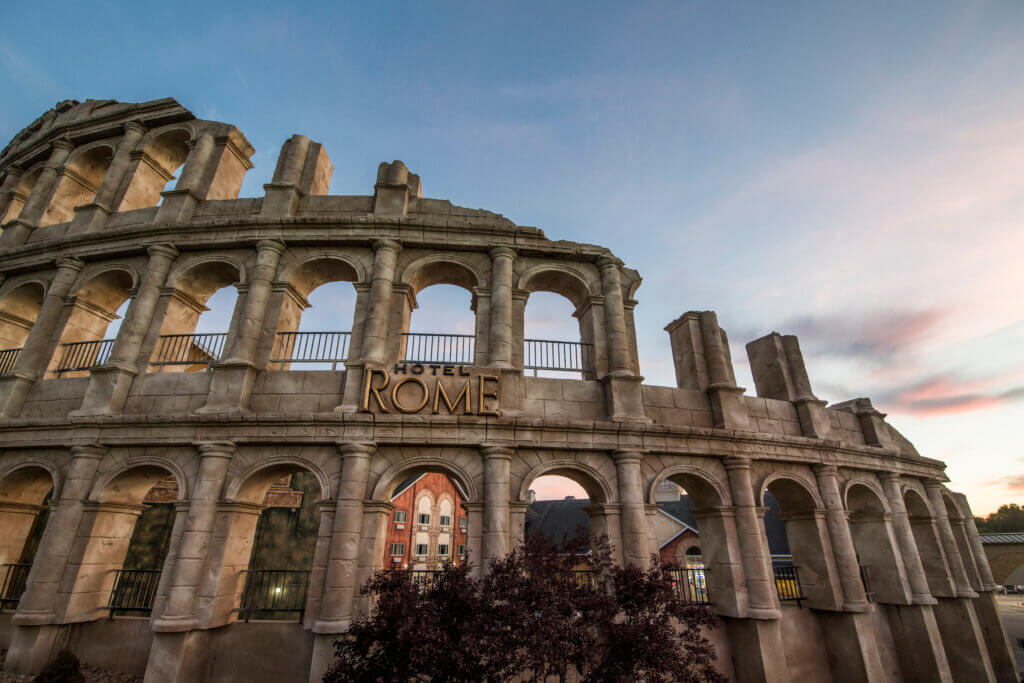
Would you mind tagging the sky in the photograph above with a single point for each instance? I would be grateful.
(852, 173)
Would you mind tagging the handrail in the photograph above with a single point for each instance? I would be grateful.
(787, 584)
(84, 355)
(190, 349)
(275, 590)
(14, 582)
(691, 585)
(311, 347)
(134, 591)
(549, 354)
(436, 347)
(8, 359)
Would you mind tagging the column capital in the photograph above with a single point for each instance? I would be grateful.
(386, 243)
(609, 261)
(736, 462)
(824, 469)
(136, 128)
(275, 245)
(14, 171)
(503, 250)
(70, 262)
(356, 448)
(889, 477)
(62, 144)
(92, 450)
(628, 455)
(163, 249)
(497, 452)
(216, 449)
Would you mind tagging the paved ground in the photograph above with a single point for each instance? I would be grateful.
(1012, 609)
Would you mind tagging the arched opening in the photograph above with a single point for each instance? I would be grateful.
(926, 538)
(87, 340)
(694, 557)
(21, 194)
(959, 521)
(199, 312)
(549, 344)
(25, 496)
(428, 526)
(79, 183)
(160, 159)
(314, 327)
(811, 575)
(881, 568)
(444, 328)
(18, 312)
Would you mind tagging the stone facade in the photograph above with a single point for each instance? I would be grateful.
(105, 202)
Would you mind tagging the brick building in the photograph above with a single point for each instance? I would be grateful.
(428, 524)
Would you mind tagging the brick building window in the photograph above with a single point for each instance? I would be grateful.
(423, 518)
(462, 550)
(442, 550)
(446, 521)
(421, 548)
(400, 515)
(397, 548)
(463, 523)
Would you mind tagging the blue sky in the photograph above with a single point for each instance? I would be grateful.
(849, 172)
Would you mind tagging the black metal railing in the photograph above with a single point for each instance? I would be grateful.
(275, 591)
(84, 355)
(423, 578)
(867, 584)
(546, 354)
(311, 347)
(190, 349)
(134, 591)
(584, 577)
(691, 585)
(8, 357)
(15, 579)
(787, 583)
(429, 347)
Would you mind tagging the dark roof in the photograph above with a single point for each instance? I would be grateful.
(406, 483)
(559, 519)
(1012, 537)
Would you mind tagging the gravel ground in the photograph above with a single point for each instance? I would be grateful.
(91, 674)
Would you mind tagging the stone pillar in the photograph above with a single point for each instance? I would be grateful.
(373, 537)
(17, 231)
(39, 345)
(497, 463)
(7, 189)
(635, 548)
(921, 595)
(233, 378)
(777, 365)
(180, 203)
(606, 520)
(180, 613)
(854, 599)
(757, 565)
(93, 216)
(302, 169)
(499, 341)
(623, 387)
(110, 382)
(948, 540)
(163, 588)
(517, 522)
(474, 536)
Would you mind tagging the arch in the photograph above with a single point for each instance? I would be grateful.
(917, 503)
(442, 269)
(393, 475)
(953, 510)
(22, 190)
(862, 496)
(81, 180)
(19, 309)
(592, 481)
(130, 482)
(160, 154)
(705, 491)
(560, 279)
(90, 274)
(794, 492)
(251, 484)
(193, 275)
(309, 271)
(28, 481)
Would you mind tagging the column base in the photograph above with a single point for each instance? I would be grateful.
(177, 657)
(15, 234)
(176, 206)
(14, 390)
(728, 411)
(758, 655)
(1000, 652)
(352, 392)
(918, 643)
(851, 647)
(624, 398)
(230, 387)
(280, 199)
(107, 392)
(33, 647)
(89, 218)
(323, 656)
(963, 641)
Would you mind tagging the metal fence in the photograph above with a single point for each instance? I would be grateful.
(8, 357)
(428, 347)
(691, 585)
(311, 347)
(867, 585)
(134, 591)
(787, 583)
(423, 578)
(275, 591)
(84, 355)
(15, 579)
(546, 354)
(190, 349)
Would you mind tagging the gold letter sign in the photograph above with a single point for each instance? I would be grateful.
(430, 388)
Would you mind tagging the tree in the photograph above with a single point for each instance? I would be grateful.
(1007, 519)
(533, 616)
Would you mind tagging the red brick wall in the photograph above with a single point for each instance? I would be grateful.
(437, 484)
(674, 550)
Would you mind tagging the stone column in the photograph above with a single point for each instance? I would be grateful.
(180, 203)
(11, 180)
(233, 378)
(181, 508)
(180, 613)
(375, 330)
(921, 595)
(517, 521)
(948, 540)
(39, 345)
(93, 216)
(18, 230)
(499, 341)
(110, 382)
(854, 599)
(497, 463)
(474, 536)
(373, 537)
(756, 559)
(635, 549)
(614, 317)
(340, 584)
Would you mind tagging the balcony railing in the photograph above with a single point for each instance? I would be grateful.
(691, 585)
(867, 585)
(546, 354)
(787, 583)
(84, 355)
(134, 591)
(449, 349)
(423, 578)
(311, 347)
(14, 581)
(275, 591)
(8, 357)
(190, 349)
